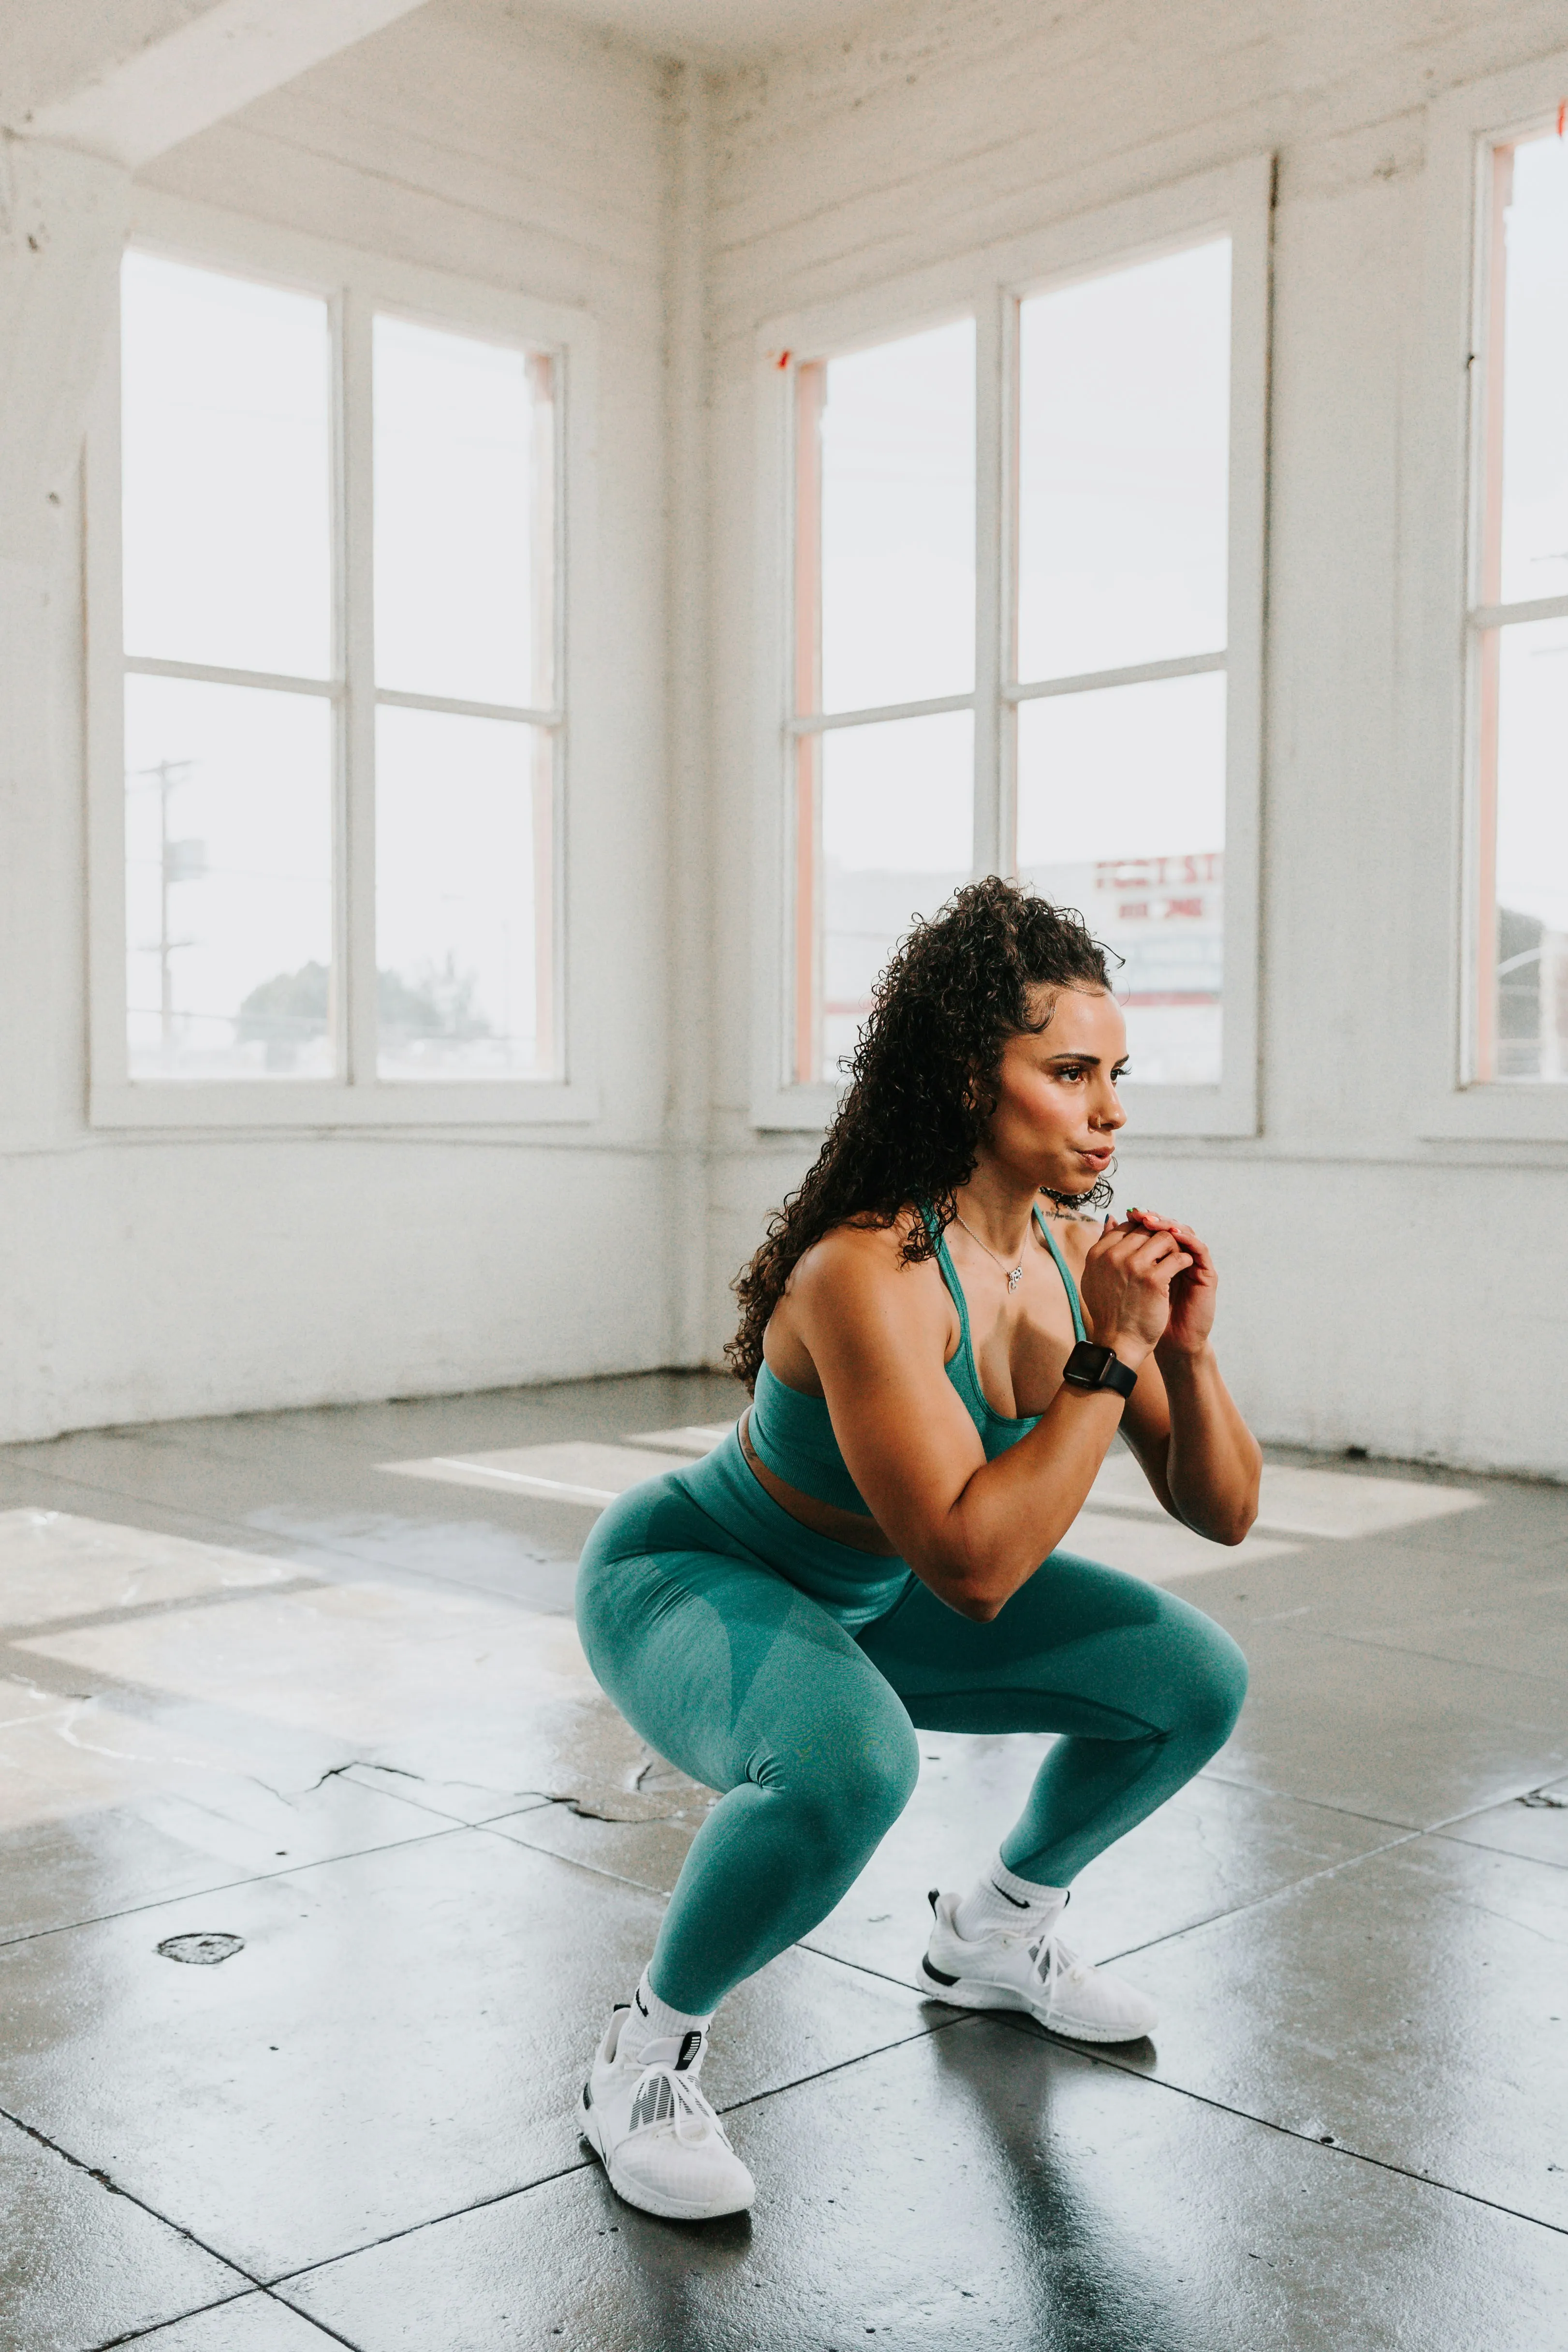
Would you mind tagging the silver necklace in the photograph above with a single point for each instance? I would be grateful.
(1015, 1274)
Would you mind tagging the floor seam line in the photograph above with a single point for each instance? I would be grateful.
(1294, 1796)
(199, 2311)
(1013, 2023)
(573, 1860)
(225, 1886)
(1275, 1894)
(137, 1613)
(1438, 1658)
(587, 2164)
(1543, 1862)
(333, 2335)
(821, 2074)
(1453, 1820)
(412, 2229)
(113, 2189)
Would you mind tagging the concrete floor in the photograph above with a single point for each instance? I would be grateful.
(256, 1686)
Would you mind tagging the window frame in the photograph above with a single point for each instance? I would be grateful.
(988, 284)
(356, 284)
(1463, 127)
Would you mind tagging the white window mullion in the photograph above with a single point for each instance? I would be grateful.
(1136, 674)
(993, 844)
(356, 622)
(827, 722)
(210, 674)
(1007, 571)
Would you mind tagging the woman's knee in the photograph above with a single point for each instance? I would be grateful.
(1210, 1679)
(848, 1792)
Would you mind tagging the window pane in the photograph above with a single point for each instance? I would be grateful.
(894, 833)
(1534, 510)
(896, 487)
(1123, 459)
(1531, 835)
(227, 470)
(1121, 814)
(229, 902)
(464, 513)
(462, 862)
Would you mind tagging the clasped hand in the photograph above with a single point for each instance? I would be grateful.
(1147, 1282)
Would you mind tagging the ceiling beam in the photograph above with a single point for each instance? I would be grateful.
(205, 69)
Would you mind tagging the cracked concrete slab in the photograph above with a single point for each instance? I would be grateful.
(378, 1761)
(1413, 2004)
(81, 2265)
(405, 2033)
(972, 2189)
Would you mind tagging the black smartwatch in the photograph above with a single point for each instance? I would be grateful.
(1090, 1367)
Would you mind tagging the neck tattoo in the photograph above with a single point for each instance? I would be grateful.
(1092, 1203)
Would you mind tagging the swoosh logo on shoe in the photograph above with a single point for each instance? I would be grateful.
(653, 2102)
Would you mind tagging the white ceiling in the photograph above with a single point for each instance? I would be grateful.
(715, 32)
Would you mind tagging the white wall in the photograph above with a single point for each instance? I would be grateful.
(1379, 1289)
(153, 1275)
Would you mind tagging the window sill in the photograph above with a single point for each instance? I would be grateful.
(1499, 1113)
(295, 1104)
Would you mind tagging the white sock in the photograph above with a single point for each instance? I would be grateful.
(1000, 1898)
(650, 2019)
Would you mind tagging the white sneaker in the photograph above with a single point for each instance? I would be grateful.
(1032, 1969)
(658, 2138)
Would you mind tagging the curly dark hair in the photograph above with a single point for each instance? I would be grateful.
(922, 1081)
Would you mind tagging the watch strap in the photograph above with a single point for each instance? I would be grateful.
(1090, 1366)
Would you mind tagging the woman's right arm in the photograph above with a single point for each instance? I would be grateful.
(973, 1530)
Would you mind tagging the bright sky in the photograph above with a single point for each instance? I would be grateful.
(227, 440)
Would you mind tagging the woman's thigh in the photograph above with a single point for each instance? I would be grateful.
(1081, 1648)
(722, 1664)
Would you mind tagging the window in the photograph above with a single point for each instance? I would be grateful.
(227, 436)
(884, 571)
(338, 724)
(1123, 471)
(1027, 625)
(1519, 617)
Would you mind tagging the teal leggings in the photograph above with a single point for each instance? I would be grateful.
(695, 1616)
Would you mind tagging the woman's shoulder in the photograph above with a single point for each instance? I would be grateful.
(863, 1249)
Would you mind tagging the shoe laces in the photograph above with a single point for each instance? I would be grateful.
(1055, 1962)
(688, 2115)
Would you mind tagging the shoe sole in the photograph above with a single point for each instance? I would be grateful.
(969, 1992)
(648, 2201)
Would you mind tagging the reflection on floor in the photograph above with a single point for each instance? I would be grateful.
(334, 1725)
(1313, 1502)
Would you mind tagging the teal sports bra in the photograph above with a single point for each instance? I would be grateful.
(791, 1433)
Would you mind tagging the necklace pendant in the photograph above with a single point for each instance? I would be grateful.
(1014, 1276)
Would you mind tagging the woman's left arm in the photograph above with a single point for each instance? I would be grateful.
(1196, 1452)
